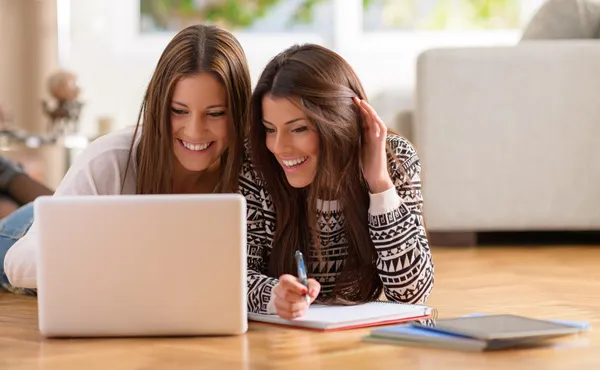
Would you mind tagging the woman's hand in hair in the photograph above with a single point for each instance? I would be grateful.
(291, 296)
(374, 156)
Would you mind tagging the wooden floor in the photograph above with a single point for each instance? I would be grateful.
(543, 282)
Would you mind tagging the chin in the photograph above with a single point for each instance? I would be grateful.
(197, 161)
(298, 183)
(196, 168)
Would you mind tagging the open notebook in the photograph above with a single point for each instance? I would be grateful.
(322, 317)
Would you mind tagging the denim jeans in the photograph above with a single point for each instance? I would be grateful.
(12, 228)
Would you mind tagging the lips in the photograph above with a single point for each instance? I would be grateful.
(195, 147)
(291, 163)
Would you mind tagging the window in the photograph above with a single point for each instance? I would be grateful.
(247, 16)
(381, 15)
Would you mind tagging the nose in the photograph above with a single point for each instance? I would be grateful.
(196, 126)
(281, 143)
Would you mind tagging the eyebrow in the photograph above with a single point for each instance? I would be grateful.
(287, 123)
(209, 107)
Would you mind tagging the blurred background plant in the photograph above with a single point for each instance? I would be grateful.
(232, 14)
(441, 14)
(172, 15)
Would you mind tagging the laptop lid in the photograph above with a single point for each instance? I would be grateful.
(141, 265)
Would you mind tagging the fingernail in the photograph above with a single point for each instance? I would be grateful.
(304, 291)
(312, 292)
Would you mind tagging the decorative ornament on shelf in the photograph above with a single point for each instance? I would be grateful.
(64, 115)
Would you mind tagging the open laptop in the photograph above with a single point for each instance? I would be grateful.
(141, 265)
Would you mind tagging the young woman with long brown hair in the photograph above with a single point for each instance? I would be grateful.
(326, 178)
(188, 139)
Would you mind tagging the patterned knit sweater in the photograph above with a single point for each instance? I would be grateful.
(395, 225)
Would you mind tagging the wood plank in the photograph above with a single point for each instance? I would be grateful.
(544, 282)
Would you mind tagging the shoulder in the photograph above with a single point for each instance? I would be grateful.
(402, 156)
(114, 145)
(103, 162)
(117, 140)
(400, 146)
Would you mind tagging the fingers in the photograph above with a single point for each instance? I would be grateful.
(290, 296)
(368, 124)
(290, 305)
(314, 288)
(291, 300)
(377, 121)
(292, 286)
(372, 117)
(287, 310)
(373, 120)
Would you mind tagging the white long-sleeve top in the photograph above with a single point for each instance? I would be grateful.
(98, 170)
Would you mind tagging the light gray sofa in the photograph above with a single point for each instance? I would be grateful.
(509, 137)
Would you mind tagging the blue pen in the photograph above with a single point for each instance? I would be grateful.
(302, 273)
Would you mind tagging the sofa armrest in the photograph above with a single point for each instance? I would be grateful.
(509, 136)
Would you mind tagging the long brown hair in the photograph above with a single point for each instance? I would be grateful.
(322, 84)
(193, 50)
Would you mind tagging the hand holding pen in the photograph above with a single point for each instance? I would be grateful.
(293, 295)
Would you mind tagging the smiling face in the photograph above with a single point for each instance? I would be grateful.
(292, 139)
(199, 121)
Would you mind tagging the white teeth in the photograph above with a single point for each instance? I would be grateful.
(294, 162)
(196, 147)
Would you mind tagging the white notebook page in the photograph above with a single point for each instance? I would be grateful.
(373, 310)
(323, 316)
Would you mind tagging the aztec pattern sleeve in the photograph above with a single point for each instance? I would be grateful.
(396, 227)
(260, 220)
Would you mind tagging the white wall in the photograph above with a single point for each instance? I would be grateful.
(114, 62)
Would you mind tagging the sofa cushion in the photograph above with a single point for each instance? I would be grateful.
(565, 19)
